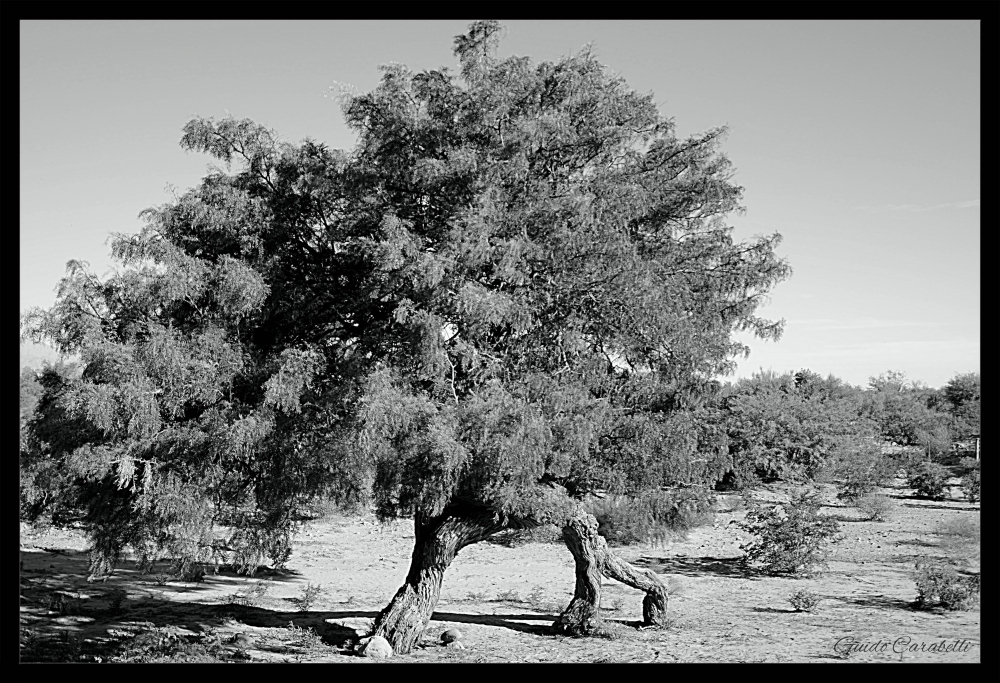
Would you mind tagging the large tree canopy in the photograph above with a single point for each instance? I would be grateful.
(793, 426)
(515, 289)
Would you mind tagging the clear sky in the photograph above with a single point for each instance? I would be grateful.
(858, 141)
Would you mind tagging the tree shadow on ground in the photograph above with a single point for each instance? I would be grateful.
(692, 566)
(72, 567)
(64, 617)
(845, 518)
(878, 601)
(919, 542)
(93, 628)
(774, 610)
(954, 508)
(510, 621)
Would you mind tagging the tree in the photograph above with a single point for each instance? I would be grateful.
(792, 426)
(962, 398)
(515, 290)
(903, 410)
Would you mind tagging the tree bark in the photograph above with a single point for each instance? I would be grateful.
(594, 558)
(437, 542)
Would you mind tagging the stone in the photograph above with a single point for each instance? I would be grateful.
(377, 647)
(241, 640)
(451, 635)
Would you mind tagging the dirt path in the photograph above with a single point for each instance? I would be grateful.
(504, 599)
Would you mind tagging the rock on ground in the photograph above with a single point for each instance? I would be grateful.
(451, 635)
(377, 647)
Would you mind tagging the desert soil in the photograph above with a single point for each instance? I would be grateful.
(503, 599)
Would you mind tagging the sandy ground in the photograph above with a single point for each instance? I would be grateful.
(504, 599)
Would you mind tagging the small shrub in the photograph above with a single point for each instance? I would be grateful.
(476, 596)
(787, 539)
(191, 572)
(803, 600)
(64, 605)
(928, 479)
(862, 472)
(508, 596)
(310, 594)
(876, 507)
(250, 595)
(116, 597)
(940, 583)
(970, 480)
(304, 637)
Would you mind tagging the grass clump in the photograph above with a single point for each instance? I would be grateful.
(611, 630)
(788, 539)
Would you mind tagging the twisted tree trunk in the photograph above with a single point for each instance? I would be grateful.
(437, 542)
(593, 558)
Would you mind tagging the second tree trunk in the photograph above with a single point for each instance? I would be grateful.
(594, 559)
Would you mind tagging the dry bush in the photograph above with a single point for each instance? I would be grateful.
(929, 479)
(787, 539)
(971, 479)
(940, 583)
(876, 507)
(803, 600)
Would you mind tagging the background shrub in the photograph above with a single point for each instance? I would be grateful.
(803, 600)
(940, 583)
(654, 517)
(928, 479)
(515, 538)
(970, 480)
(876, 507)
(787, 539)
(862, 471)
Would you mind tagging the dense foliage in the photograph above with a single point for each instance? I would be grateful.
(792, 426)
(516, 288)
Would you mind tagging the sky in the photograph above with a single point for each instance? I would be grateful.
(857, 141)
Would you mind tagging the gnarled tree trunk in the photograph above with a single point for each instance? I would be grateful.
(594, 558)
(438, 540)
